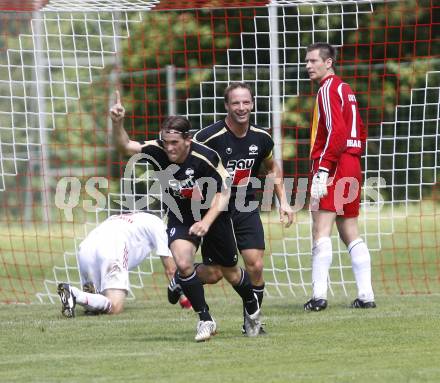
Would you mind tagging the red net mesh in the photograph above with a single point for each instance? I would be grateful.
(393, 52)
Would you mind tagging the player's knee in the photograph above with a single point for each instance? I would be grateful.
(185, 266)
(116, 298)
(215, 275)
(117, 307)
(254, 266)
(232, 274)
(185, 270)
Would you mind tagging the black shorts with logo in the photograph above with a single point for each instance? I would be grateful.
(218, 246)
(248, 228)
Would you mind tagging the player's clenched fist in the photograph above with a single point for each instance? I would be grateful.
(199, 228)
(117, 111)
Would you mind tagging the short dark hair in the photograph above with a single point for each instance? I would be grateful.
(326, 51)
(235, 85)
(177, 124)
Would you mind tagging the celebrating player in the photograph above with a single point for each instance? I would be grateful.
(194, 183)
(117, 245)
(338, 139)
(242, 148)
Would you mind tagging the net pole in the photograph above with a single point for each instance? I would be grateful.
(171, 89)
(115, 83)
(275, 85)
(40, 65)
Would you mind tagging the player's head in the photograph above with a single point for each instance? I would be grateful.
(320, 60)
(239, 102)
(175, 138)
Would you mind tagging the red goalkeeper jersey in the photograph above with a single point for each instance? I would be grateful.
(337, 126)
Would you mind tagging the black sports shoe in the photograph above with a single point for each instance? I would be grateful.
(174, 291)
(68, 301)
(315, 305)
(358, 304)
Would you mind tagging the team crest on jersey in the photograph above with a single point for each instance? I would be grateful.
(253, 150)
(189, 172)
(240, 171)
(228, 150)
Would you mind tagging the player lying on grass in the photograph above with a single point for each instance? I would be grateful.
(117, 245)
(196, 192)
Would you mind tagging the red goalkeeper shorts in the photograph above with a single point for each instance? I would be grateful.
(344, 187)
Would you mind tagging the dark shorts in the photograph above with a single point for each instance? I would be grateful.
(248, 229)
(181, 231)
(218, 246)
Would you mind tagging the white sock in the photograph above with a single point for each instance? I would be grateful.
(321, 261)
(361, 264)
(92, 302)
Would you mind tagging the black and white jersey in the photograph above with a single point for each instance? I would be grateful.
(241, 156)
(186, 181)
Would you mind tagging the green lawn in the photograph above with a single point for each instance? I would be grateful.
(153, 342)
(404, 245)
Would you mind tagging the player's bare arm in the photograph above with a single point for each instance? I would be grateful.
(287, 216)
(122, 142)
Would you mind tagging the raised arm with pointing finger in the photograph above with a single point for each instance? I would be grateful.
(122, 142)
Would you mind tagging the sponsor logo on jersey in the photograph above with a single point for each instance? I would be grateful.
(240, 171)
(185, 189)
(253, 150)
(351, 98)
(354, 143)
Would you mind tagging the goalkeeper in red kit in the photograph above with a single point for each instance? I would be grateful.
(338, 139)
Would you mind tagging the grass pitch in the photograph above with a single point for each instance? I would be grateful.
(153, 342)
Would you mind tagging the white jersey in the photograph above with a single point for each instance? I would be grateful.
(120, 243)
(142, 232)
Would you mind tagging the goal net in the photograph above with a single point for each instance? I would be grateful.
(61, 61)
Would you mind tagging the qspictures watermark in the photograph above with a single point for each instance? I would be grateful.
(170, 190)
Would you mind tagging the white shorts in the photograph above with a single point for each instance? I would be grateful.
(103, 260)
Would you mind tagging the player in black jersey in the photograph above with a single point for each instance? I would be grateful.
(195, 188)
(243, 148)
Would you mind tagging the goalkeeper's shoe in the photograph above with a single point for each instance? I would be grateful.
(315, 305)
(359, 304)
(68, 301)
(252, 324)
(205, 329)
(174, 290)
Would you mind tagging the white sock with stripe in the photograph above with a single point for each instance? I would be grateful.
(321, 261)
(92, 302)
(361, 264)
